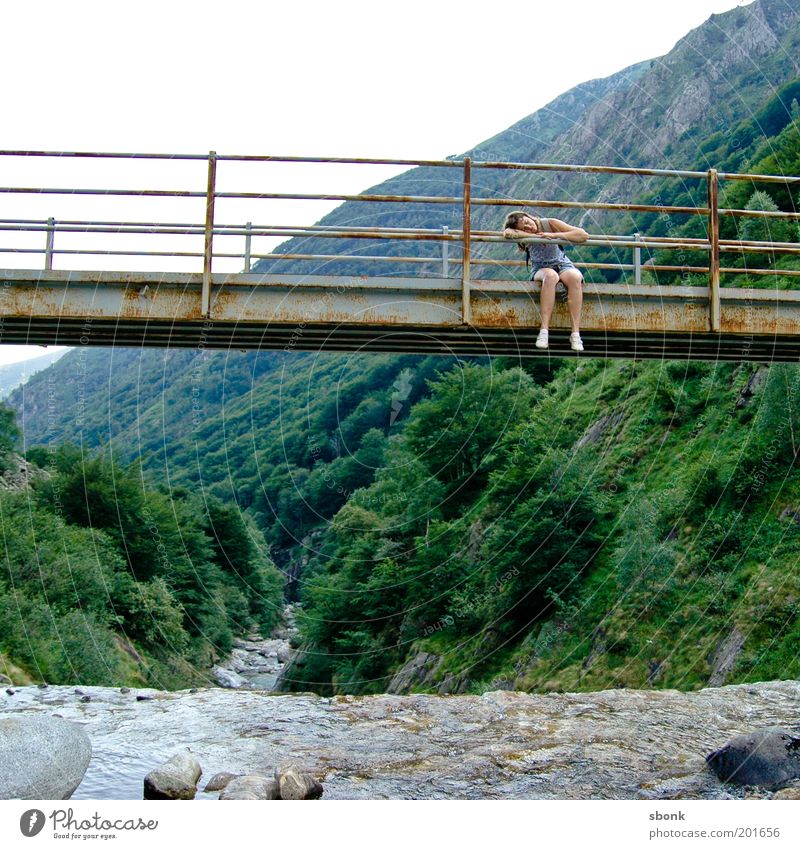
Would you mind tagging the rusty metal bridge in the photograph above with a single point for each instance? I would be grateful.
(469, 303)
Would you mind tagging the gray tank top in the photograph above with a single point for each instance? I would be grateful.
(547, 252)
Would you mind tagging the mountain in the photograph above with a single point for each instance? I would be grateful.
(716, 83)
(457, 524)
(15, 374)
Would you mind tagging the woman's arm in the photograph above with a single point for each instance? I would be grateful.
(564, 232)
(521, 236)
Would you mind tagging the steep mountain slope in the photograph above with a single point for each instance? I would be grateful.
(654, 114)
(15, 374)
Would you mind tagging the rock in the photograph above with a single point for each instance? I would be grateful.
(788, 793)
(756, 380)
(599, 429)
(124, 690)
(175, 779)
(418, 671)
(9, 691)
(238, 662)
(251, 787)
(19, 473)
(792, 513)
(459, 683)
(219, 782)
(655, 668)
(724, 658)
(229, 679)
(144, 698)
(86, 699)
(41, 757)
(296, 785)
(767, 758)
(284, 653)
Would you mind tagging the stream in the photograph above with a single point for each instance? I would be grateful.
(254, 664)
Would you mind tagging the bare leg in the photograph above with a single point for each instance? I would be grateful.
(549, 279)
(572, 279)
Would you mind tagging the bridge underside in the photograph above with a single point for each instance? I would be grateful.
(400, 315)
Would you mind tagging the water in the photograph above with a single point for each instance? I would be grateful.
(116, 776)
(117, 772)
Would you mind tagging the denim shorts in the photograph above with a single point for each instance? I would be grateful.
(557, 266)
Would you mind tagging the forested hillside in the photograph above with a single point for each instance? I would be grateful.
(109, 579)
(459, 524)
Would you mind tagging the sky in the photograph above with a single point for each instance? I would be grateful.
(363, 79)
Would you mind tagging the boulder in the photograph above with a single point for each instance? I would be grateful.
(41, 757)
(219, 782)
(256, 787)
(788, 793)
(175, 779)
(769, 757)
(418, 671)
(229, 679)
(296, 785)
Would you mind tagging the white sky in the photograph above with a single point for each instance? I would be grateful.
(346, 78)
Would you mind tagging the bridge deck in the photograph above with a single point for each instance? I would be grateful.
(397, 314)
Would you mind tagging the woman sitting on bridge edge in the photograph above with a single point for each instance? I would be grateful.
(550, 264)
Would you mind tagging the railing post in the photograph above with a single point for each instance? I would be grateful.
(445, 253)
(466, 306)
(637, 261)
(714, 306)
(48, 248)
(205, 296)
(247, 241)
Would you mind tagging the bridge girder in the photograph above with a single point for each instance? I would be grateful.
(399, 314)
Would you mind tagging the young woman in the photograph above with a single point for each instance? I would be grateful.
(549, 265)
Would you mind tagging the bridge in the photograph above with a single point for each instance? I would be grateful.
(461, 293)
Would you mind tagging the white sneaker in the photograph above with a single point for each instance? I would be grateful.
(575, 341)
(542, 340)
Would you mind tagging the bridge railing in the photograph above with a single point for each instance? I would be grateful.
(475, 244)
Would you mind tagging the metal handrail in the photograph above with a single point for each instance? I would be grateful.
(714, 245)
(346, 232)
(435, 163)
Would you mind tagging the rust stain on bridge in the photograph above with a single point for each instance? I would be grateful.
(274, 311)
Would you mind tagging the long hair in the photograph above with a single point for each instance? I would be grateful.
(513, 218)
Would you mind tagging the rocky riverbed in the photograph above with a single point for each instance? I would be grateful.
(617, 744)
(257, 662)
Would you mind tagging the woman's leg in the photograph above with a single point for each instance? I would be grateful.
(573, 280)
(549, 278)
